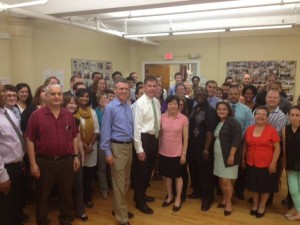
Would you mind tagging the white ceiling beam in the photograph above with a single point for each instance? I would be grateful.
(92, 6)
(216, 24)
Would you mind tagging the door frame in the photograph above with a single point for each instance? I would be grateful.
(171, 63)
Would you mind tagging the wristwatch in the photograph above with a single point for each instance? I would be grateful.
(75, 155)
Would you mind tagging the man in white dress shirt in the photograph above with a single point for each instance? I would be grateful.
(146, 113)
(11, 154)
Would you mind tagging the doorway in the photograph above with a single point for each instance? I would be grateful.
(166, 70)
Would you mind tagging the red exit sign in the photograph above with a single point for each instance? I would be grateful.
(168, 56)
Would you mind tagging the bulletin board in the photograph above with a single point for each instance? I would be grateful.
(86, 68)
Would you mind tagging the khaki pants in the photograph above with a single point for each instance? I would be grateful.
(120, 172)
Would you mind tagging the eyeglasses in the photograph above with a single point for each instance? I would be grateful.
(11, 96)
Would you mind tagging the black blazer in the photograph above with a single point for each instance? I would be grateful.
(230, 136)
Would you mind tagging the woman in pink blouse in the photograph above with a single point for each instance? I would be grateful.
(173, 143)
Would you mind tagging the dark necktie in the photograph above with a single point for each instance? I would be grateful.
(233, 106)
(16, 130)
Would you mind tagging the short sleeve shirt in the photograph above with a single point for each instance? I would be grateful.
(260, 149)
(171, 135)
(52, 136)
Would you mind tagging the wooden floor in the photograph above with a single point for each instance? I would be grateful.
(189, 214)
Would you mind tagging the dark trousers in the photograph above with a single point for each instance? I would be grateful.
(88, 174)
(279, 171)
(29, 181)
(143, 169)
(58, 173)
(202, 178)
(185, 179)
(78, 193)
(241, 181)
(11, 205)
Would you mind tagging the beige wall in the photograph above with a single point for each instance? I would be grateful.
(216, 50)
(51, 46)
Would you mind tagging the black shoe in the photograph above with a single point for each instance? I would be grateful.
(221, 205)
(166, 204)
(149, 198)
(240, 196)
(253, 212)
(127, 223)
(130, 215)
(83, 217)
(227, 213)
(144, 208)
(205, 206)
(176, 208)
(287, 203)
(260, 215)
(194, 195)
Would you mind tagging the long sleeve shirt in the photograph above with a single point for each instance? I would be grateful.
(144, 119)
(10, 146)
(116, 124)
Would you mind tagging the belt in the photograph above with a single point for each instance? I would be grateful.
(150, 134)
(12, 163)
(54, 158)
(121, 142)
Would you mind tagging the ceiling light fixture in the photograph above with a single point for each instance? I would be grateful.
(198, 31)
(262, 27)
(146, 35)
(4, 6)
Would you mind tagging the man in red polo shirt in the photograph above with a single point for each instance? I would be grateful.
(53, 154)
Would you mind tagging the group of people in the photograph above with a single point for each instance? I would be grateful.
(119, 130)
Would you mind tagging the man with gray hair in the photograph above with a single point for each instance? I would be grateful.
(53, 153)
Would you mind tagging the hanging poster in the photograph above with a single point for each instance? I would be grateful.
(284, 70)
(85, 68)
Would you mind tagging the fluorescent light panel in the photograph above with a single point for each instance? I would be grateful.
(262, 27)
(198, 31)
(146, 35)
(24, 4)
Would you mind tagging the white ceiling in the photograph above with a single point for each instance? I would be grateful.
(153, 16)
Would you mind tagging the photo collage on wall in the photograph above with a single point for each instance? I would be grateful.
(86, 68)
(284, 70)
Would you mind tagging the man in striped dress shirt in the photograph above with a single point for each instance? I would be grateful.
(277, 120)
